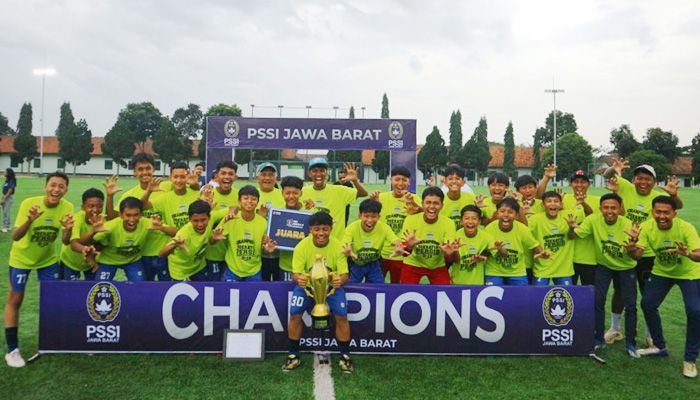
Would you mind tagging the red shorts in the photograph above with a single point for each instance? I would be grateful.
(394, 269)
(412, 275)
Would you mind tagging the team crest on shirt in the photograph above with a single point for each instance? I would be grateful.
(247, 235)
(367, 243)
(558, 307)
(555, 230)
(103, 302)
(397, 210)
(640, 207)
(182, 207)
(430, 236)
(129, 242)
(48, 221)
(611, 237)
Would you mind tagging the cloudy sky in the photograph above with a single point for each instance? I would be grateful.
(633, 62)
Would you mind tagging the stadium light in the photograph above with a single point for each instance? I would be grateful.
(363, 111)
(43, 72)
(252, 110)
(280, 107)
(336, 111)
(308, 111)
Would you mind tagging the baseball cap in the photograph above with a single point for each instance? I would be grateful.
(264, 165)
(580, 174)
(318, 162)
(645, 168)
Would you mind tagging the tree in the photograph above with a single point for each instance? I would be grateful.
(5, 129)
(662, 142)
(476, 150)
(170, 144)
(119, 144)
(24, 123)
(695, 153)
(351, 115)
(142, 119)
(566, 123)
(221, 110)
(623, 141)
(25, 146)
(434, 154)
(188, 122)
(455, 137)
(66, 122)
(573, 153)
(660, 163)
(509, 152)
(75, 146)
(537, 167)
(380, 164)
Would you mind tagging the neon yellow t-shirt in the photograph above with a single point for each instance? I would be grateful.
(217, 251)
(244, 252)
(36, 250)
(451, 208)
(428, 254)
(332, 199)
(517, 241)
(490, 208)
(368, 245)
(461, 272)
(584, 249)
(121, 247)
(183, 264)
(667, 264)
(156, 239)
(174, 207)
(393, 214)
(553, 235)
(637, 207)
(271, 199)
(70, 258)
(609, 239)
(306, 251)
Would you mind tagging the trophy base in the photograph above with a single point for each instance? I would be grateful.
(320, 323)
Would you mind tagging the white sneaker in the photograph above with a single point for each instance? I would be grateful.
(613, 335)
(14, 359)
(689, 370)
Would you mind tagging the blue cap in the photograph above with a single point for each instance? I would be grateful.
(318, 162)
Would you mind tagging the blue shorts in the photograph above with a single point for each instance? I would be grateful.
(368, 273)
(505, 280)
(215, 269)
(203, 275)
(68, 274)
(229, 276)
(563, 281)
(19, 277)
(300, 302)
(154, 266)
(134, 272)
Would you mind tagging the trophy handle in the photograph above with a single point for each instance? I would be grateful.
(331, 275)
(306, 288)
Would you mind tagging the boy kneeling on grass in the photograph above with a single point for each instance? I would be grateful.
(319, 242)
(473, 248)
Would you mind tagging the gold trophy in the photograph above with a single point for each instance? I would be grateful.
(318, 288)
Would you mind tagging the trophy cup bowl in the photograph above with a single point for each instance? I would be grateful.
(318, 288)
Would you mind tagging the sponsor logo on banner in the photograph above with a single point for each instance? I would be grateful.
(395, 132)
(231, 130)
(558, 309)
(103, 305)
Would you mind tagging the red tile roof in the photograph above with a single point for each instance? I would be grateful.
(51, 145)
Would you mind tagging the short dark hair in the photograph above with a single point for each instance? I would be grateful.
(454, 169)
(57, 174)
(226, 164)
(201, 164)
(320, 218)
(433, 191)
(611, 196)
(402, 171)
(470, 208)
(498, 178)
(178, 165)
(199, 207)
(248, 190)
(510, 202)
(551, 193)
(524, 180)
(130, 202)
(370, 206)
(663, 199)
(292, 181)
(143, 158)
(92, 192)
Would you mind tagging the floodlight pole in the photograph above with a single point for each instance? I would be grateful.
(43, 72)
(554, 118)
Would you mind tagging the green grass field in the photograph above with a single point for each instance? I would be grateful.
(384, 377)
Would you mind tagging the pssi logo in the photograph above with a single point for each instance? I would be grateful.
(103, 302)
(558, 307)
(231, 128)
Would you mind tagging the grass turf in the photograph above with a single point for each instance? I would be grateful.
(387, 377)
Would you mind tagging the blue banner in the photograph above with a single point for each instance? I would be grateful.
(287, 227)
(190, 317)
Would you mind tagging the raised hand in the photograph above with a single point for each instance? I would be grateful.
(543, 255)
(263, 210)
(335, 280)
(180, 242)
(34, 213)
(154, 185)
(217, 235)
(110, 185)
(98, 223)
(571, 221)
(207, 194)
(633, 233)
(580, 196)
(309, 204)
(193, 177)
(612, 184)
(500, 247)
(619, 165)
(269, 245)
(399, 250)
(232, 214)
(411, 206)
(517, 196)
(550, 171)
(67, 222)
(375, 195)
(681, 249)
(480, 201)
(88, 251)
(410, 238)
(156, 222)
(351, 169)
(347, 251)
(672, 185)
(561, 192)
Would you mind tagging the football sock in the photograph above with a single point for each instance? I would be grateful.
(11, 338)
(344, 347)
(616, 318)
(294, 347)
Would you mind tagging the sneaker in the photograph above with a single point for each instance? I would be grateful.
(632, 351)
(689, 369)
(345, 364)
(613, 335)
(14, 359)
(293, 362)
(653, 351)
(650, 341)
(598, 346)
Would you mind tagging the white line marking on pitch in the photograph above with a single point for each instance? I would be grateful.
(323, 382)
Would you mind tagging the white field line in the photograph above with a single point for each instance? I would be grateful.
(323, 382)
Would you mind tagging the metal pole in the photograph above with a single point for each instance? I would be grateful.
(252, 110)
(280, 107)
(41, 140)
(554, 118)
(308, 111)
(363, 112)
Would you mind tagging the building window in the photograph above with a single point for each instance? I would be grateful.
(61, 163)
(157, 165)
(37, 163)
(14, 161)
(108, 165)
(130, 165)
